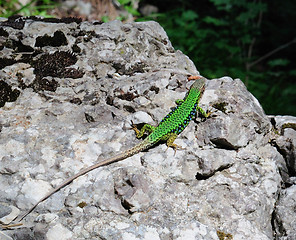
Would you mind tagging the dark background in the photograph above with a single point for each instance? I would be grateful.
(251, 40)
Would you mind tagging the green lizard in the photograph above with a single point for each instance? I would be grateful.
(167, 130)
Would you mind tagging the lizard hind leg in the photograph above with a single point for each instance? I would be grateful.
(147, 128)
(170, 138)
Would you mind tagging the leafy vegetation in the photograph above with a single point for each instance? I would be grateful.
(32, 8)
(128, 6)
(234, 38)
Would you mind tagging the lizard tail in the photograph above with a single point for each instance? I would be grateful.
(145, 144)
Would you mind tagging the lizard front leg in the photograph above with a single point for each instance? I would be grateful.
(203, 113)
(179, 101)
(147, 128)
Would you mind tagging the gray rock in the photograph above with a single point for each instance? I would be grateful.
(3, 236)
(8, 213)
(286, 143)
(70, 91)
(284, 216)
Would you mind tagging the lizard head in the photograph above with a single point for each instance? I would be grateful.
(199, 83)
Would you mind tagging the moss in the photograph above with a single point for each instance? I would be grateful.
(6, 62)
(57, 40)
(136, 68)
(224, 236)
(44, 84)
(82, 204)
(289, 125)
(55, 65)
(221, 106)
(15, 22)
(7, 94)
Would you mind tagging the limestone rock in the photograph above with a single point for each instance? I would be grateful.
(69, 92)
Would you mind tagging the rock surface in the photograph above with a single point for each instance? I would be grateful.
(69, 90)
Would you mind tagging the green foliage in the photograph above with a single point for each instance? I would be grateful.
(105, 19)
(223, 42)
(34, 7)
(278, 62)
(129, 6)
(198, 37)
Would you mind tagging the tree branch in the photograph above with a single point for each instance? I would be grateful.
(249, 65)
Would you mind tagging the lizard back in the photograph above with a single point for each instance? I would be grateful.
(180, 116)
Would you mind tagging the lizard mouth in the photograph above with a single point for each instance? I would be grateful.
(194, 78)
